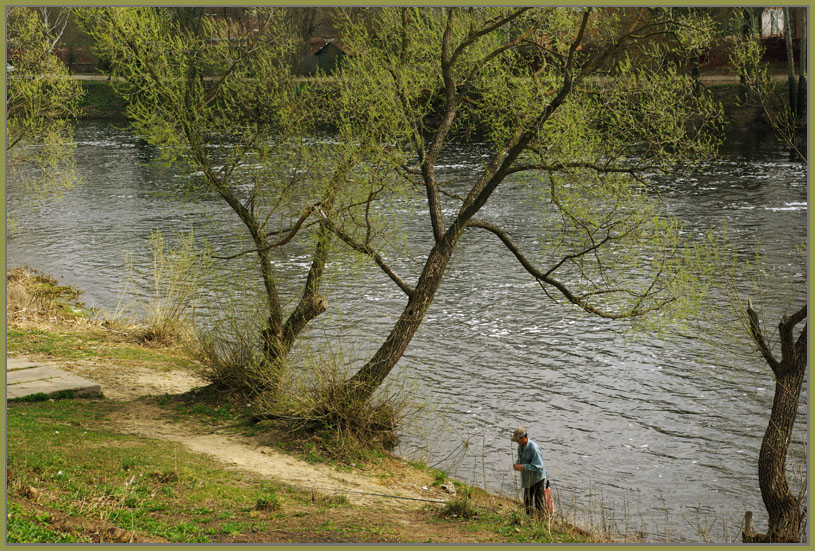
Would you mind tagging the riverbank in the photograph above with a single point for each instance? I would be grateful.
(100, 102)
(161, 457)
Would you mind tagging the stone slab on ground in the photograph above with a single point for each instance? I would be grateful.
(25, 377)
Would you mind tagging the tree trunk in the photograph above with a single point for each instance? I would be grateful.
(749, 28)
(800, 108)
(311, 303)
(272, 334)
(790, 58)
(784, 509)
(278, 336)
(372, 374)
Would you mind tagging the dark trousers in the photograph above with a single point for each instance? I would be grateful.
(533, 497)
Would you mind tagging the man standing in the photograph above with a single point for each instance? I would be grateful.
(533, 474)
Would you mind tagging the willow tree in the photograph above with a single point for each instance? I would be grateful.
(788, 362)
(731, 303)
(784, 352)
(215, 92)
(41, 101)
(584, 106)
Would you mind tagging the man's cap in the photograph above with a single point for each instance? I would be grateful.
(519, 433)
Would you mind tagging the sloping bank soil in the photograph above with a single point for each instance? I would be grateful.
(133, 386)
(390, 501)
(145, 418)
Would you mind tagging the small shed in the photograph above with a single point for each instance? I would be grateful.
(325, 55)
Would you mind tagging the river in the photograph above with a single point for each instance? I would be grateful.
(658, 437)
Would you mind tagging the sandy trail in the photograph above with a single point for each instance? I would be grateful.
(242, 453)
(238, 452)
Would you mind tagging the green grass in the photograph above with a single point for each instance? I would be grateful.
(27, 527)
(91, 344)
(269, 501)
(62, 452)
(132, 482)
(39, 341)
(439, 477)
(512, 527)
(100, 100)
(210, 406)
(41, 396)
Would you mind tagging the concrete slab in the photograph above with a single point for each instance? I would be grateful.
(24, 378)
(12, 364)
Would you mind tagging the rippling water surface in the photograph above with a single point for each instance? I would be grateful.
(662, 435)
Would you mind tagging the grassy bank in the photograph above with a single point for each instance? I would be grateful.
(73, 479)
(79, 473)
(100, 101)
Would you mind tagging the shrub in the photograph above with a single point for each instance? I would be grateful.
(461, 507)
(229, 347)
(343, 426)
(354, 421)
(315, 402)
(232, 358)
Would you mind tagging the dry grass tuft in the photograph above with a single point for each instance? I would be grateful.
(232, 357)
(178, 270)
(33, 298)
(314, 401)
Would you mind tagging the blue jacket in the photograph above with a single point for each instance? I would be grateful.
(530, 457)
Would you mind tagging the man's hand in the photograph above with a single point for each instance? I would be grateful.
(518, 467)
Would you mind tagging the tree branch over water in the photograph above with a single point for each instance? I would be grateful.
(560, 286)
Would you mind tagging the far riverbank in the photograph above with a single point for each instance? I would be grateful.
(101, 102)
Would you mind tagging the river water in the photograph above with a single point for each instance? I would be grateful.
(658, 437)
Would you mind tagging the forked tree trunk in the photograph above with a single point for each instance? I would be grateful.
(785, 512)
(278, 337)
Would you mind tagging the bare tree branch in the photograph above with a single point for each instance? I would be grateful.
(55, 26)
(367, 250)
(292, 232)
(504, 160)
(546, 278)
(487, 58)
(584, 252)
(758, 337)
(785, 328)
(473, 36)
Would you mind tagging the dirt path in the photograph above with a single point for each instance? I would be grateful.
(409, 489)
(145, 419)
